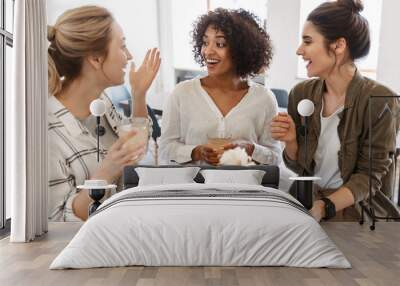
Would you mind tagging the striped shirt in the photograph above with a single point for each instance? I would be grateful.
(72, 155)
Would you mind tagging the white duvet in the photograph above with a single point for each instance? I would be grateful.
(201, 224)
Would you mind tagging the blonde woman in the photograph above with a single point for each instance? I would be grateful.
(87, 54)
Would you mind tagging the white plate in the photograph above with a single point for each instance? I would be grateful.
(305, 178)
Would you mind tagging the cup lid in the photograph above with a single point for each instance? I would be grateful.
(96, 184)
(305, 178)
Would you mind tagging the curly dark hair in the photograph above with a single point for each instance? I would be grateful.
(249, 44)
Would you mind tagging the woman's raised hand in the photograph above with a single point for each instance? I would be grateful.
(283, 128)
(142, 78)
(119, 156)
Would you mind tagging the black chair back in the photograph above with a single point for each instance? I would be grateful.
(156, 127)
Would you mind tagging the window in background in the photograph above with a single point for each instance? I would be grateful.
(183, 15)
(9, 12)
(6, 43)
(8, 69)
(2, 195)
(372, 12)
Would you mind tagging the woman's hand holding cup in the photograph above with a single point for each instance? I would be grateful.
(119, 156)
(212, 151)
(206, 153)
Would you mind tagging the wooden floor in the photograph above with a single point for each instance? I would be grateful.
(375, 256)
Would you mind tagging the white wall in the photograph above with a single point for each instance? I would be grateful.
(389, 49)
(139, 20)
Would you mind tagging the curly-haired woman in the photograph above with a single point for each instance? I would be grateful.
(225, 103)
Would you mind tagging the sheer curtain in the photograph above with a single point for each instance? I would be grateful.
(26, 119)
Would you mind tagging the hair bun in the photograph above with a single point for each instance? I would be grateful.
(356, 6)
(51, 33)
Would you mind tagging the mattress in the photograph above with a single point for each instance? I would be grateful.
(201, 225)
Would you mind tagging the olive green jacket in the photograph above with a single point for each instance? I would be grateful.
(353, 133)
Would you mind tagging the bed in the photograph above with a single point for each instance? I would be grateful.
(201, 224)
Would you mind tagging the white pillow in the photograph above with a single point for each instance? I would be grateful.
(163, 176)
(248, 177)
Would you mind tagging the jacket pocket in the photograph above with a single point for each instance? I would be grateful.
(350, 147)
(348, 154)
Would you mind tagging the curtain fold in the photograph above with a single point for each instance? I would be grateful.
(26, 119)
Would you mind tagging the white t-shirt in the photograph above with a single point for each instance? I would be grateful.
(191, 116)
(326, 156)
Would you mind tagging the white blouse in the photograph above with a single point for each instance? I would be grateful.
(191, 117)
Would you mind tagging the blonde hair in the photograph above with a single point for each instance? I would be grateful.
(77, 33)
